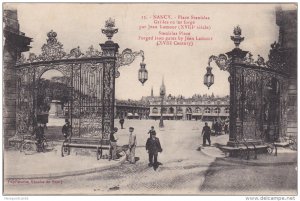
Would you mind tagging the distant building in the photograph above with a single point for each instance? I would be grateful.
(131, 109)
(198, 107)
(206, 108)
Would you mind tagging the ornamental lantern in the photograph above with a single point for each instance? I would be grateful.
(208, 77)
(143, 73)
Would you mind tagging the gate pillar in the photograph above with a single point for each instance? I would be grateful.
(109, 53)
(236, 89)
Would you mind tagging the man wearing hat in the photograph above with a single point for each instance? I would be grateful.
(152, 131)
(206, 134)
(153, 146)
(121, 122)
(66, 129)
(40, 136)
(113, 144)
(131, 145)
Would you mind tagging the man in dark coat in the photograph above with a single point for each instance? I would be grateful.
(66, 129)
(40, 136)
(153, 146)
(206, 134)
(122, 122)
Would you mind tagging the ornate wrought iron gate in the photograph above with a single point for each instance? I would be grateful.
(260, 96)
(258, 92)
(85, 81)
(90, 79)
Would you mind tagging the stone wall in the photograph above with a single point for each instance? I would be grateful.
(15, 42)
(287, 22)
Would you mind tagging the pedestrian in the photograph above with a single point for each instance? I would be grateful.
(122, 122)
(131, 145)
(206, 134)
(40, 137)
(153, 146)
(66, 129)
(218, 128)
(226, 128)
(214, 129)
(151, 131)
(113, 144)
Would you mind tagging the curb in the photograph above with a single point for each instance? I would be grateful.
(65, 174)
(226, 159)
(255, 163)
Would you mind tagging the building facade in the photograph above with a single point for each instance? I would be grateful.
(287, 23)
(198, 107)
(131, 109)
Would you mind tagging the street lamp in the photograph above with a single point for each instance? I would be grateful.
(126, 58)
(143, 73)
(162, 93)
(208, 77)
(223, 61)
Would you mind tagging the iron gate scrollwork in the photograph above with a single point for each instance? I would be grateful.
(258, 93)
(84, 80)
(87, 99)
(89, 83)
(260, 103)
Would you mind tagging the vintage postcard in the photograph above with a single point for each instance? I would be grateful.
(150, 99)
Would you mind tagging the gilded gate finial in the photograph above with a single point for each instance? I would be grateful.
(237, 39)
(110, 29)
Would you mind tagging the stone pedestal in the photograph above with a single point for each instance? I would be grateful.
(55, 109)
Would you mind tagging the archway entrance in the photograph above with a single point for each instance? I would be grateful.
(76, 86)
(52, 102)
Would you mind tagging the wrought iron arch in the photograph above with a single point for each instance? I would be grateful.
(64, 69)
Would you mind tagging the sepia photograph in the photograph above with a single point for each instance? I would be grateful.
(150, 99)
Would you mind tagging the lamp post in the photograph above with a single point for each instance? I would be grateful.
(162, 93)
(112, 61)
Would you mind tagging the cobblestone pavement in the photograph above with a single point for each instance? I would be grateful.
(225, 177)
(182, 170)
(185, 170)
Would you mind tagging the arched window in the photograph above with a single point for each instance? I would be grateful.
(188, 110)
(217, 110)
(179, 110)
(171, 110)
(155, 110)
(207, 110)
(198, 110)
(164, 110)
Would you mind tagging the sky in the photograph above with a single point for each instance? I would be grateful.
(182, 67)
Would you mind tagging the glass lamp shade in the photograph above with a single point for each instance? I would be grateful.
(208, 77)
(143, 73)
